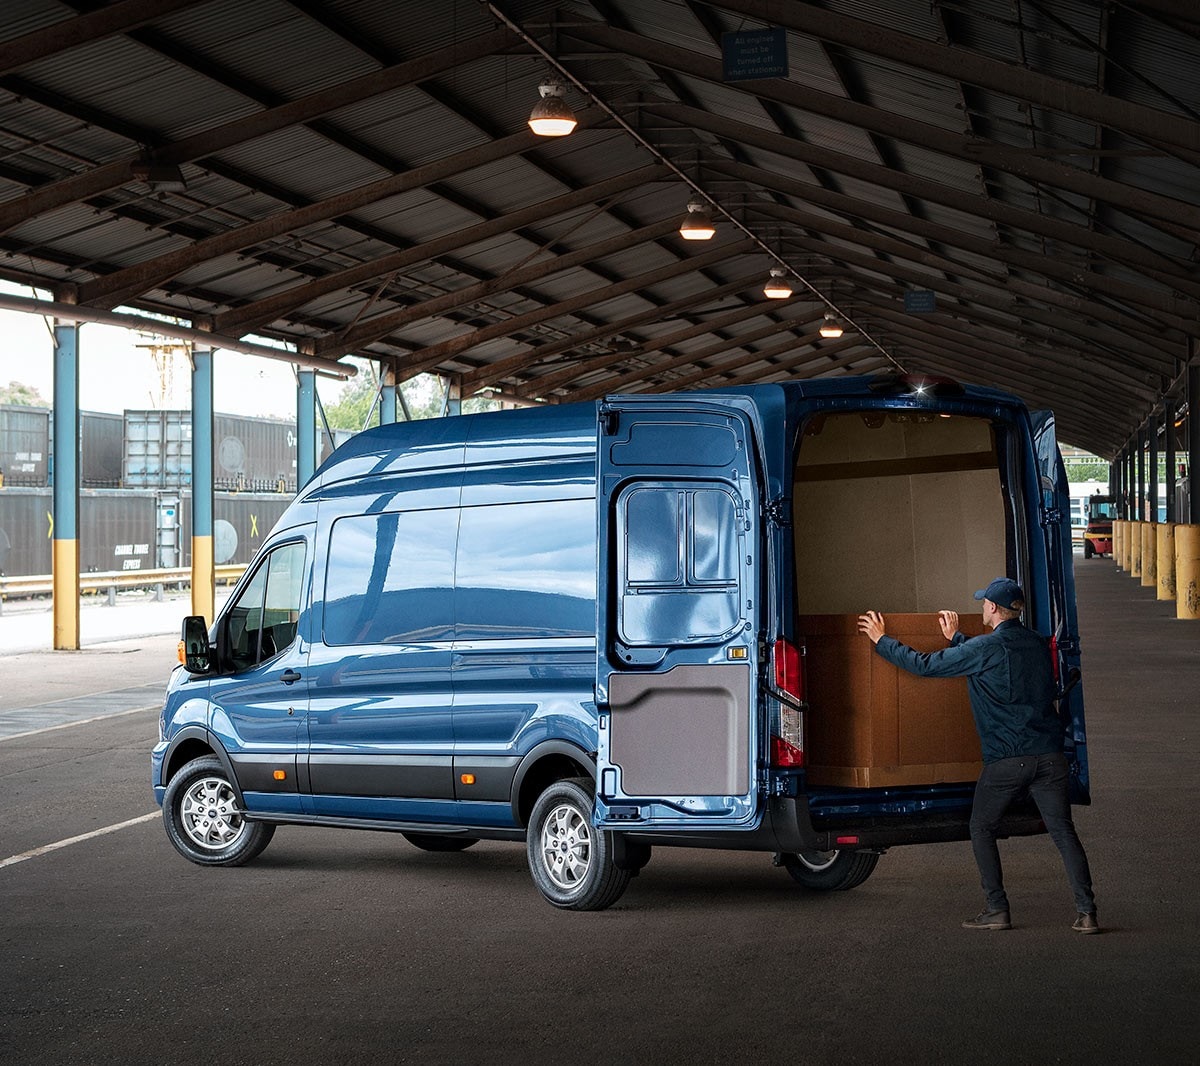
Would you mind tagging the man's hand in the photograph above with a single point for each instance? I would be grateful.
(948, 620)
(871, 624)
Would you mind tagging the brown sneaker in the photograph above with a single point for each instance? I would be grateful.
(990, 920)
(1086, 923)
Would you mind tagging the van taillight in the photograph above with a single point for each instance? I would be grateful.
(1054, 657)
(787, 746)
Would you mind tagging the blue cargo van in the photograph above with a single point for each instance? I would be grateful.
(595, 628)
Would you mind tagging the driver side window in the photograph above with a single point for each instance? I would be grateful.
(262, 622)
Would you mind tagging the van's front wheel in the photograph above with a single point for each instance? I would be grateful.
(831, 871)
(203, 819)
(570, 859)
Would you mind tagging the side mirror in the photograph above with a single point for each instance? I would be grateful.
(197, 655)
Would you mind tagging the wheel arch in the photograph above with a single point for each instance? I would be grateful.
(194, 742)
(550, 761)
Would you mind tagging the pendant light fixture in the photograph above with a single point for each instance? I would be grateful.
(777, 287)
(831, 327)
(552, 115)
(697, 224)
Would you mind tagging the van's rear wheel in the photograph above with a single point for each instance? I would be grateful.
(203, 819)
(434, 842)
(831, 871)
(570, 859)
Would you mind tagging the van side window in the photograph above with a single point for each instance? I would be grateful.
(390, 578)
(527, 570)
(678, 566)
(262, 622)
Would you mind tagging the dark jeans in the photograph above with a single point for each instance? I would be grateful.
(1044, 778)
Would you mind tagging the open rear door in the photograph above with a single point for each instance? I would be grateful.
(1056, 522)
(679, 562)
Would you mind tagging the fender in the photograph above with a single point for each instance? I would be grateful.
(209, 739)
(539, 752)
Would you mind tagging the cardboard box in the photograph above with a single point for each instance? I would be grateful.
(871, 724)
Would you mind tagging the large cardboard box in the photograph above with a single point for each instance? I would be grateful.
(871, 724)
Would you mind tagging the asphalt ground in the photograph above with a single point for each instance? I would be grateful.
(354, 947)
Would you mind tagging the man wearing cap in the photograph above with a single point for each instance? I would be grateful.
(1010, 680)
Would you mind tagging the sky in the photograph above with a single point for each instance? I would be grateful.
(116, 374)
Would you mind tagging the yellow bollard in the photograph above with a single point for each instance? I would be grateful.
(1166, 561)
(1118, 542)
(1187, 571)
(1135, 549)
(1149, 555)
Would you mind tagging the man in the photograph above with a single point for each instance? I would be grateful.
(1010, 680)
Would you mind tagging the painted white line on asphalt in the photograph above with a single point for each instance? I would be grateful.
(83, 721)
(12, 860)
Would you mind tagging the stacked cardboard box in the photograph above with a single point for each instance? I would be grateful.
(872, 725)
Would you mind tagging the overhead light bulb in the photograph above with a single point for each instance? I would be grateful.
(777, 287)
(831, 328)
(551, 115)
(697, 224)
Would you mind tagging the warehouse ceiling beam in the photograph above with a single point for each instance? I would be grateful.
(890, 124)
(530, 358)
(260, 312)
(435, 354)
(70, 33)
(113, 175)
(1151, 125)
(115, 288)
(558, 378)
(373, 329)
(69, 312)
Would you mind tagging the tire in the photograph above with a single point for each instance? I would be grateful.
(433, 842)
(570, 859)
(203, 820)
(831, 871)
(1087, 549)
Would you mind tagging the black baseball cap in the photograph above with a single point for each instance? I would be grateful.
(1003, 592)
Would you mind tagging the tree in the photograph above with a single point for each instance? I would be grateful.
(19, 393)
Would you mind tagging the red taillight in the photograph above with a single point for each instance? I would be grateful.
(1054, 657)
(785, 754)
(787, 746)
(789, 677)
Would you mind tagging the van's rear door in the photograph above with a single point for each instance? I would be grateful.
(1056, 523)
(679, 565)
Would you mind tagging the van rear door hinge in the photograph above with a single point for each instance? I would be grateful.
(778, 511)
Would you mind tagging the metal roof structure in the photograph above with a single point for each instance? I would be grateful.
(1000, 191)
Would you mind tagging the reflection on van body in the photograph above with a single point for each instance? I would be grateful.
(607, 627)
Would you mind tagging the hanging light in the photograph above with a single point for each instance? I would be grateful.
(697, 224)
(777, 287)
(831, 328)
(551, 115)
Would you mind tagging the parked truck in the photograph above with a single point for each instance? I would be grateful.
(604, 628)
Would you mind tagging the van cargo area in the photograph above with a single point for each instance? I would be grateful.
(901, 512)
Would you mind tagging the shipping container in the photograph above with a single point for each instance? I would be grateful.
(25, 531)
(101, 438)
(157, 449)
(254, 454)
(25, 445)
(241, 521)
(116, 530)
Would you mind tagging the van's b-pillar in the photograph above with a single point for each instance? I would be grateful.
(64, 539)
(306, 426)
(203, 574)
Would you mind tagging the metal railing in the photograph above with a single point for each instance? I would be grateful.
(110, 581)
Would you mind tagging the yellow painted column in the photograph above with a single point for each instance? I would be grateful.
(1187, 571)
(204, 586)
(1149, 555)
(1166, 561)
(1135, 549)
(1118, 542)
(65, 561)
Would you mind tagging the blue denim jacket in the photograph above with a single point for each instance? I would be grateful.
(1011, 684)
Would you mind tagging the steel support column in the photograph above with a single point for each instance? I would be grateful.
(387, 398)
(204, 583)
(1152, 469)
(1193, 440)
(306, 426)
(453, 398)
(1141, 515)
(1169, 445)
(65, 535)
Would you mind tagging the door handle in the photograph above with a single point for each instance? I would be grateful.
(289, 676)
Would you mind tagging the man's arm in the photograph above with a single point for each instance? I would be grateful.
(959, 660)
